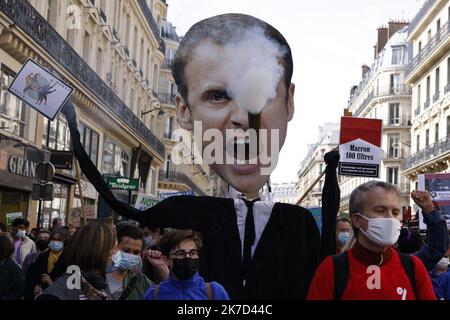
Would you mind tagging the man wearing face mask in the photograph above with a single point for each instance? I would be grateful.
(42, 240)
(343, 233)
(372, 269)
(48, 266)
(125, 280)
(181, 249)
(22, 244)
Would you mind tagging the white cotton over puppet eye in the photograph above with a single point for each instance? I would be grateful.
(253, 69)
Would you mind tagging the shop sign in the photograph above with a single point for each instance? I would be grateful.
(22, 167)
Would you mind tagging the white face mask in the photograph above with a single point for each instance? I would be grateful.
(384, 232)
(443, 263)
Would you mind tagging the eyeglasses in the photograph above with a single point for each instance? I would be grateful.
(181, 254)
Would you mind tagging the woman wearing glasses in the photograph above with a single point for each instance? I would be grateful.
(180, 251)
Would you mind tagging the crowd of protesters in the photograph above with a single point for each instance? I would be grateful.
(101, 261)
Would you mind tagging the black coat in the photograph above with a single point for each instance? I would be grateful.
(283, 263)
(39, 267)
(11, 280)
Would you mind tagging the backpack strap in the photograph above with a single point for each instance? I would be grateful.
(129, 288)
(209, 291)
(408, 265)
(155, 292)
(341, 271)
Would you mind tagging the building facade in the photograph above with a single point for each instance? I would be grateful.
(111, 52)
(429, 76)
(313, 165)
(284, 192)
(383, 94)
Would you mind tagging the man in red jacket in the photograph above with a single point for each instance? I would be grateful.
(372, 269)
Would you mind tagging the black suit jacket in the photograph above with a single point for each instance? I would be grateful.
(283, 263)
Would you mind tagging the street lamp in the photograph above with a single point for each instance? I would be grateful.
(160, 112)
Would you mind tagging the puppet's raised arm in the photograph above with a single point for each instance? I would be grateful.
(182, 212)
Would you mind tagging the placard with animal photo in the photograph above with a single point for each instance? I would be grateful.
(40, 89)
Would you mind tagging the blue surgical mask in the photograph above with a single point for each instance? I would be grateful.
(21, 234)
(342, 237)
(56, 245)
(125, 261)
(110, 267)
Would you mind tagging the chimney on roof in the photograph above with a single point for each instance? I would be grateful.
(394, 26)
(383, 37)
(365, 69)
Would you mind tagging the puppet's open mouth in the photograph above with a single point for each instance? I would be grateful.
(242, 150)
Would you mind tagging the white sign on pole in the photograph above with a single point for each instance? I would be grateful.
(145, 201)
(40, 89)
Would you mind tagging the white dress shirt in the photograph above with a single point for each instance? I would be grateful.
(261, 213)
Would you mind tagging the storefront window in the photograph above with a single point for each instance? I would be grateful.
(115, 159)
(12, 110)
(56, 134)
(57, 208)
(12, 202)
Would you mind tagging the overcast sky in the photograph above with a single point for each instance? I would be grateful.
(330, 40)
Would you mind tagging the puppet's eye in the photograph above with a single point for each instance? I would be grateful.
(218, 96)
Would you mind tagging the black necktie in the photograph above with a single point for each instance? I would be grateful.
(249, 238)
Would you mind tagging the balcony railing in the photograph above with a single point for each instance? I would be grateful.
(179, 177)
(435, 41)
(436, 96)
(417, 111)
(404, 188)
(25, 16)
(447, 88)
(422, 12)
(435, 150)
(151, 22)
(403, 89)
(405, 122)
(166, 98)
(167, 64)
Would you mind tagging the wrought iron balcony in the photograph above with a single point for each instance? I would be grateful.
(417, 111)
(26, 17)
(447, 88)
(167, 64)
(435, 41)
(403, 89)
(179, 177)
(166, 98)
(151, 22)
(403, 122)
(404, 188)
(422, 12)
(434, 150)
(436, 96)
